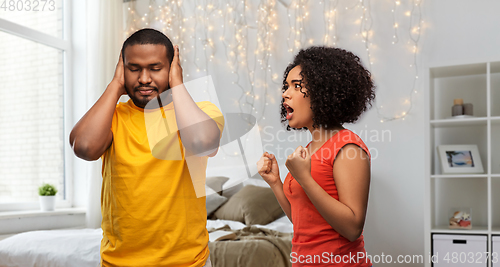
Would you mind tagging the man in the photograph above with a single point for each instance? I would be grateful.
(151, 213)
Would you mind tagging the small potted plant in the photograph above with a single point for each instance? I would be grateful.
(47, 195)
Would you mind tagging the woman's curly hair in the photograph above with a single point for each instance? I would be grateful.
(339, 86)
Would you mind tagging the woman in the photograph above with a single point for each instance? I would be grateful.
(325, 194)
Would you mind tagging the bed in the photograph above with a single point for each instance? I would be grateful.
(245, 226)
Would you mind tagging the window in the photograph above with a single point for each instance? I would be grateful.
(34, 71)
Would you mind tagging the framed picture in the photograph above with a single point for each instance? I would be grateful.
(460, 159)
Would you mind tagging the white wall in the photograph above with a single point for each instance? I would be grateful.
(462, 31)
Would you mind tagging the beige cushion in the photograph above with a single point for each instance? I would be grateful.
(230, 191)
(251, 205)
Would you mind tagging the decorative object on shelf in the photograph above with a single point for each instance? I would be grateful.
(460, 218)
(468, 109)
(47, 195)
(460, 159)
(458, 108)
(461, 110)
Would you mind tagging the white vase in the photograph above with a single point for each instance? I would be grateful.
(47, 203)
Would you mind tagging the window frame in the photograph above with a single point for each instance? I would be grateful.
(65, 45)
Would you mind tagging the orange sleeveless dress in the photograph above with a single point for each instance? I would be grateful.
(315, 242)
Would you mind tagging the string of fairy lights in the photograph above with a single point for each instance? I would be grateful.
(247, 36)
(415, 16)
(330, 19)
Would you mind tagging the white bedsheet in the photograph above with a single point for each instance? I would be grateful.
(52, 248)
(80, 247)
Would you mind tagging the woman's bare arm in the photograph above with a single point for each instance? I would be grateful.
(269, 170)
(352, 178)
(282, 200)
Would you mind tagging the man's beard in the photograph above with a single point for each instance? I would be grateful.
(142, 101)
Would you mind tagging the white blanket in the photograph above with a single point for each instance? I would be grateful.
(282, 224)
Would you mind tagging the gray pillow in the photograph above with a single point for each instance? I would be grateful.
(216, 183)
(251, 205)
(214, 200)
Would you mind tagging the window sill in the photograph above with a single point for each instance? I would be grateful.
(39, 213)
(12, 222)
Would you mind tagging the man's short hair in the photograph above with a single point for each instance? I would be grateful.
(149, 36)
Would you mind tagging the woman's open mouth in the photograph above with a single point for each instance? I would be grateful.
(289, 111)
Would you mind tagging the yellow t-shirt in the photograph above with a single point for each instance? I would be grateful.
(151, 215)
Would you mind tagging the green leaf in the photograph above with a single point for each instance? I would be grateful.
(47, 190)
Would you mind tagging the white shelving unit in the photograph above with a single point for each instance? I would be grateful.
(479, 84)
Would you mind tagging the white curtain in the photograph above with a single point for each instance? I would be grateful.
(104, 41)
